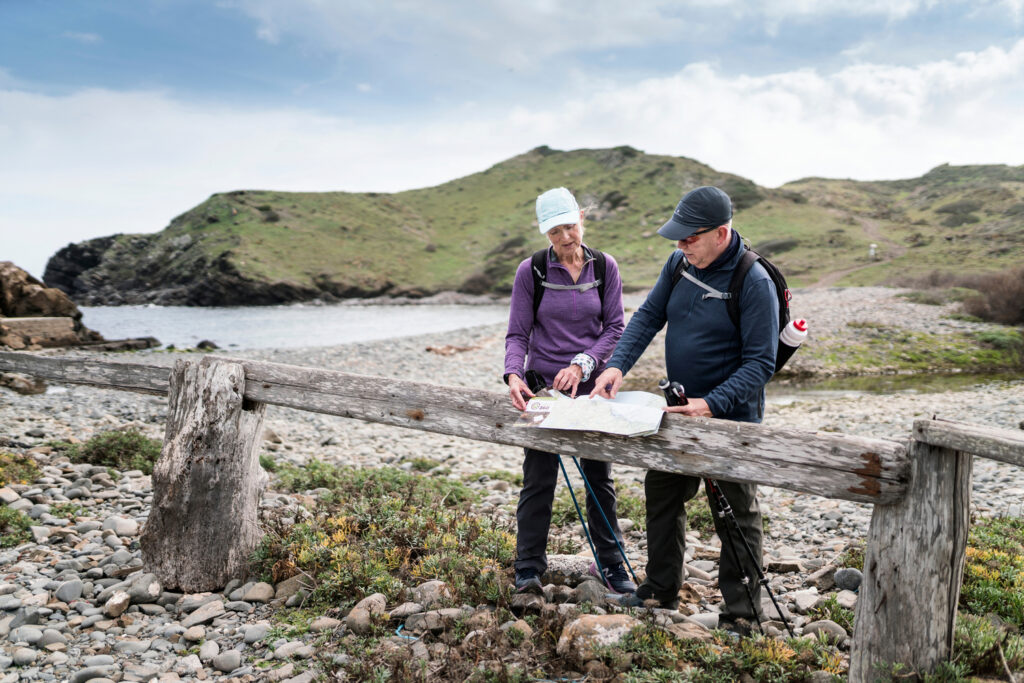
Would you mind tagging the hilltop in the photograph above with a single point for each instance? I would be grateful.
(251, 247)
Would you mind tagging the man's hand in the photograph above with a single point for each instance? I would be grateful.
(607, 383)
(518, 391)
(568, 378)
(697, 407)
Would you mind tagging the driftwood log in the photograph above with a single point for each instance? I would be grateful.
(913, 565)
(203, 525)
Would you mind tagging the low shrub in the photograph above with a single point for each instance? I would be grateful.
(14, 527)
(380, 530)
(17, 469)
(1001, 300)
(127, 449)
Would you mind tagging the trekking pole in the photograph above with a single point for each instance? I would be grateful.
(579, 512)
(618, 545)
(675, 395)
(726, 512)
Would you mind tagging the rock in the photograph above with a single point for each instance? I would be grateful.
(431, 593)
(823, 579)
(204, 614)
(289, 587)
(69, 591)
(295, 648)
(805, 600)
(208, 650)
(255, 633)
(324, 624)
(117, 604)
(259, 592)
(848, 579)
(145, 589)
(688, 630)
(847, 599)
(434, 620)
(22, 384)
(835, 633)
(194, 634)
(32, 313)
(567, 569)
(581, 640)
(591, 591)
(405, 609)
(227, 661)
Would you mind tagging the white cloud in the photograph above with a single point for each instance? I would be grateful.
(98, 162)
(87, 38)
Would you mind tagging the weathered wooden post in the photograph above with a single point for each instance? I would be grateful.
(913, 565)
(207, 484)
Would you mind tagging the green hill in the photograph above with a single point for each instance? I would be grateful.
(256, 247)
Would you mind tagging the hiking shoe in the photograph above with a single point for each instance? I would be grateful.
(634, 600)
(528, 581)
(615, 577)
(737, 627)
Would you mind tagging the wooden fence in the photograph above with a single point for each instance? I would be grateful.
(207, 483)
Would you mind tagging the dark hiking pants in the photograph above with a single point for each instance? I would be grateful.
(666, 540)
(533, 515)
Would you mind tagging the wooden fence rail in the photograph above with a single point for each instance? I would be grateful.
(207, 483)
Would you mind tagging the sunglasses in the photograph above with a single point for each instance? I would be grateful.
(699, 233)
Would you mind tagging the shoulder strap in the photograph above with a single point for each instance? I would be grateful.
(778, 279)
(600, 268)
(732, 305)
(539, 268)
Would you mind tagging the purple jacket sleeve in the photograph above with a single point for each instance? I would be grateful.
(520, 321)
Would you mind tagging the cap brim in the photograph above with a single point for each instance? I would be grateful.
(567, 218)
(674, 230)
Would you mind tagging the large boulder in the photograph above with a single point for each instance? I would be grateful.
(33, 315)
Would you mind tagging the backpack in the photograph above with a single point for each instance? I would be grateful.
(539, 268)
(732, 297)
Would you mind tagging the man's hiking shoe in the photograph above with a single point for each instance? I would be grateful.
(737, 627)
(528, 581)
(615, 577)
(634, 600)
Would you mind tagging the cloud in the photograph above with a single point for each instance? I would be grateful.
(86, 38)
(98, 162)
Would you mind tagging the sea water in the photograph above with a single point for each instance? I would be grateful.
(296, 325)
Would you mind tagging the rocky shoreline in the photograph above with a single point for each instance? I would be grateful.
(75, 604)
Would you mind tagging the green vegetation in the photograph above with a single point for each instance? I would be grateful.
(13, 527)
(124, 450)
(831, 609)
(382, 529)
(470, 233)
(994, 574)
(17, 469)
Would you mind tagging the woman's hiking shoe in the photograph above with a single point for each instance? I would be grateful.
(528, 581)
(615, 577)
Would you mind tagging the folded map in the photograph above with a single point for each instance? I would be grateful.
(630, 413)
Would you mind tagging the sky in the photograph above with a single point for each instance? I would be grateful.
(117, 115)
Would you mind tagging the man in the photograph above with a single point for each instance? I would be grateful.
(723, 370)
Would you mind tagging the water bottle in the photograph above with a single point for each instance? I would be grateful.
(790, 339)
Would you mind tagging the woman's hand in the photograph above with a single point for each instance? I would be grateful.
(696, 407)
(607, 383)
(518, 391)
(568, 379)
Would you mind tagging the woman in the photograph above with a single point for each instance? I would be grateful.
(567, 341)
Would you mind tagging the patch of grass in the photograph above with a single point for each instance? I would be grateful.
(13, 527)
(994, 573)
(17, 469)
(124, 450)
(381, 530)
(656, 655)
(632, 506)
(268, 463)
(423, 464)
(852, 557)
(977, 642)
(514, 478)
(831, 609)
(699, 516)
(67, 510)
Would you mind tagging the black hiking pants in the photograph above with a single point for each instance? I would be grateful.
(666, 540)
(533, 515)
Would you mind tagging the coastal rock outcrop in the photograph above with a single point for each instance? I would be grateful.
(34, 315)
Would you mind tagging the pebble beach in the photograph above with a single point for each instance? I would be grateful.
(57, 619)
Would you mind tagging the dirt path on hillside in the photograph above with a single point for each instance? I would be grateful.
(873, 231)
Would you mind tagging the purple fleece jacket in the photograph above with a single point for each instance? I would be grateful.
(568, 321)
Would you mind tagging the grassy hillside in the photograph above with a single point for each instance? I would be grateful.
(469, 234)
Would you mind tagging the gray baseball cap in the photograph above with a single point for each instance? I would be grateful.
(703, 207)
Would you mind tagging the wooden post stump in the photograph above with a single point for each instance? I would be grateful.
(207, 484)
(913, 565)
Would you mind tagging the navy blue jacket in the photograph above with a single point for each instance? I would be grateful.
(712, 358)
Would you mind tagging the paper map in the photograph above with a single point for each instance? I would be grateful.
(630, 413)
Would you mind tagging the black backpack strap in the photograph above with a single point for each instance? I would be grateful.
(732, 304)
(539, 268)
(600, 269)
(677, 272)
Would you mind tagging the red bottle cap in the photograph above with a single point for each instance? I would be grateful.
(800, 324)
